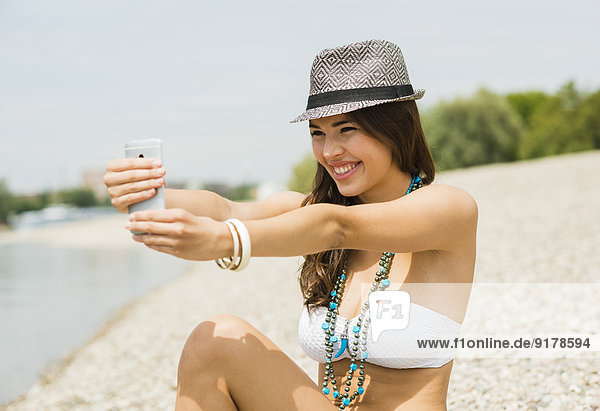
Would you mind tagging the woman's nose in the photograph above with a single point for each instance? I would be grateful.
(331, 148)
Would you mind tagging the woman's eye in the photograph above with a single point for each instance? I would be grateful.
(320, 133)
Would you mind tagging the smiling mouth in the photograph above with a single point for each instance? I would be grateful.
(340, 171)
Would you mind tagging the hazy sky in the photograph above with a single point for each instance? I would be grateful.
(218, 81)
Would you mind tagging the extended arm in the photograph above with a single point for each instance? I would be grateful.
(431, 218)
(435, 217)
(199, 202)
(209, 204)
(306, 230)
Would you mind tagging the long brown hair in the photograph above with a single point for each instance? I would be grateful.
(396, 125)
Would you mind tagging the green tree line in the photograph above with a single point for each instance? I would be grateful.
(488, 128)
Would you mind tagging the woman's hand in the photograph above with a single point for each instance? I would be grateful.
(131, 180)
(177, 232)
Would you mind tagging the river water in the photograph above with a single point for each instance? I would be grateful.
(53, 300)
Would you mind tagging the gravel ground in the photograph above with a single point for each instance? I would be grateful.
(538, 223)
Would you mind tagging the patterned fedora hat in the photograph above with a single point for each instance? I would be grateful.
(355, 76)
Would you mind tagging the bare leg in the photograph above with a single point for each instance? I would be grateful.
(204, 391)
(228, 364)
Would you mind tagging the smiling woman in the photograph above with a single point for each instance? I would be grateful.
(388, 136)
(372, 203)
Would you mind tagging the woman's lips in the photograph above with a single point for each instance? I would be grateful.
(348, 173)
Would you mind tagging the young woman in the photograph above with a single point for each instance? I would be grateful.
(372, 204)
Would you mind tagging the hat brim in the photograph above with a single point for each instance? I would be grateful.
(340, 108)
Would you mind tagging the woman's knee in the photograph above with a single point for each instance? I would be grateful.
(212, 338)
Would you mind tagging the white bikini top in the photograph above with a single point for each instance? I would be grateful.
(395, 348)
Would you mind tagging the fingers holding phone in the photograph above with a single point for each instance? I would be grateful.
(130, 181)
(137, 181)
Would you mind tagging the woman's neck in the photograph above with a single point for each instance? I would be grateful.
(389, 188)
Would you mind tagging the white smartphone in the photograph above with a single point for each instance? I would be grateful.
(150, 148)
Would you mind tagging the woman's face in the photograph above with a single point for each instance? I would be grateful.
(358, 163)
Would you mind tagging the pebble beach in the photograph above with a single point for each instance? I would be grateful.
(538, 234)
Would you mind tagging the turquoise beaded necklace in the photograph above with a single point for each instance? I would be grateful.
(382, 281)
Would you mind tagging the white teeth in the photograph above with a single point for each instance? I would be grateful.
(343, 170)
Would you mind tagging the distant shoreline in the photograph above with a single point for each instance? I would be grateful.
(102, 231)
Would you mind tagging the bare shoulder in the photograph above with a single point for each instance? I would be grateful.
(455, 200)
(270, 206)
(451, 193)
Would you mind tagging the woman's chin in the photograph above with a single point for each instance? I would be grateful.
(348, 191)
